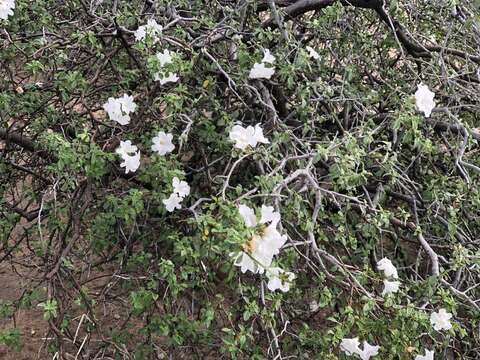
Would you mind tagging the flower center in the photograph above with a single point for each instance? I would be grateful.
(250, 245)
(262, 228)
(284, 278)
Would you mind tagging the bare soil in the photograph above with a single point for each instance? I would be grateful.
(29, 322)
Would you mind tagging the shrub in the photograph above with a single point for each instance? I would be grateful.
(243, 179)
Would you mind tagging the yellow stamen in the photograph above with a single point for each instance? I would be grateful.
(250, 245)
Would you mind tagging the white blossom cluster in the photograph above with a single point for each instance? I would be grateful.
(439, 320)
(352, 346)
(165, 58)
(119, 109)
(260, 70)
(162, 144)
(424, 99)
(151, 28)
(130, 156)
(389, 271)
(181, 189)
(249, 136)
(259, 250)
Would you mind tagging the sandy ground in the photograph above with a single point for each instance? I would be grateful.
(28, 321)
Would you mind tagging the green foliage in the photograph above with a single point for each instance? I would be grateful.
(355, 170)
(50, 309)
(11, 338)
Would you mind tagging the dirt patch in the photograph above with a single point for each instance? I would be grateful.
(29, 322)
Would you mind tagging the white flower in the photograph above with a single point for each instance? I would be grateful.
(140, 33)
(279, 279)
(272, 240)
(245, 262)
(119, 109)
(441, 320)
(164, 58)
(258, 136)
(268, 215)
(312, 53)
(130, 156)
(388, 268)
(162, 143)
(428, 355)
(259, 71)
(390, 287)
(173, 202)
(151, 28)
(126, 148)
(265, 243)
(171, 77)
(424, 99)
(152, 25)
(368, 351)
(114, 111)
(6, 8)
(180, 187)
(131, 162)
(268, 57)
(127, 104)
(180, 190)
(249, 136)
(248, 215)
(350, 346)
(242, 136)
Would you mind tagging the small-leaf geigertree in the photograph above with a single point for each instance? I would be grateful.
(250, 179)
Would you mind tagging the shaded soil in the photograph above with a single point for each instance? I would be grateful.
(29, 322)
